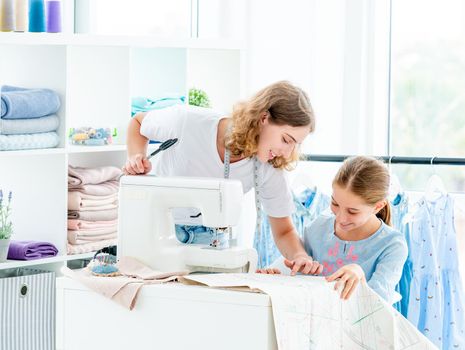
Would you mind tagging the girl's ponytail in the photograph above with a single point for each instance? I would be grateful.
(385, 214)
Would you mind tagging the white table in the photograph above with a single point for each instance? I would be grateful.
(167, 316)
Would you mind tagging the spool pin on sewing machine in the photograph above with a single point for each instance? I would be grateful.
(146, 226)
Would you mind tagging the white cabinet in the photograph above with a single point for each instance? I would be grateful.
(166, 316)
(96, 76)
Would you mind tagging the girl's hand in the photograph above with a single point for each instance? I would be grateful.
(304, 264)
(269, 271)
(137, 164)
(348, 276)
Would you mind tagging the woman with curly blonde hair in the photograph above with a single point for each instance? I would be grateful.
(256, 144)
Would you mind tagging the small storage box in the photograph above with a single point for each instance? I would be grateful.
(27, 309)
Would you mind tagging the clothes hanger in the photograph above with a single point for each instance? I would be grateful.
(435, 186)
(302, 180)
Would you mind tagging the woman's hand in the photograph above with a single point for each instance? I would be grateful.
(304, 264)
(348, 276)
(269, 271)
(137, 164)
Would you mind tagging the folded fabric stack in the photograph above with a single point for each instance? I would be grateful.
(92, 208)
(145, 104)
(28, 119)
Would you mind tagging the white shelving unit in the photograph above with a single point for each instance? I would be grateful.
(118, 40)
(96, 76)
(11, 264)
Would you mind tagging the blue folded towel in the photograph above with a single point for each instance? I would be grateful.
(21, 103)
(143, 104)
(29, 126)
(29, 141)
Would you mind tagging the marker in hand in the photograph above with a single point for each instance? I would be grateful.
(165, 145)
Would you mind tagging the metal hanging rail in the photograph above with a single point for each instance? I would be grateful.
(388, 159)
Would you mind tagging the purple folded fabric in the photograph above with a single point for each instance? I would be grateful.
(30, 250)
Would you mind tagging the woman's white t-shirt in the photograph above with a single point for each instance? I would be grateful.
(196, 155)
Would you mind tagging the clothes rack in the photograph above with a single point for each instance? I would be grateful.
(388, 159)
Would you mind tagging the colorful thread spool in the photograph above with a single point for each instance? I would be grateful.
(21, 15)
(53, 16)
(7, 17)
(36, 16)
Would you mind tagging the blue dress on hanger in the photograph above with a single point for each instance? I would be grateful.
(435, 304)
(399, 207)
(309, 204)
(453, 336)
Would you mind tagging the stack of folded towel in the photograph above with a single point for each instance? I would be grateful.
(27, 118)
(92, 208)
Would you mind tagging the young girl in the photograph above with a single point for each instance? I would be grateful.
(254, 144)
(356, 243)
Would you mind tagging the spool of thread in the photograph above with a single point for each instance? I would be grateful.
(36, 16)
(7, 15)
(21, 15)
(53, 16)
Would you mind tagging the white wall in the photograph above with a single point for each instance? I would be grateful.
(301, 41)
(336, 50)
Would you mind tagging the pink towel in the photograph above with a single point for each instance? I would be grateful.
(75, 238)
(99, 207)
(74, 224)
(123, 289)
(93, 232)
(101, 215)
(77, 201)
(82, 176)
(97, 197)
(90, 247)
(104, 189)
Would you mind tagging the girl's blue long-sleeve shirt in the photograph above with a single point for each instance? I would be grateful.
(381, 256)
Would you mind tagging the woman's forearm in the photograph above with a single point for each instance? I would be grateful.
(290, 245)
(136, 143)
(286, 238)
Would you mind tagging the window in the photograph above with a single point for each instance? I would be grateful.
(218, 19)
(428, 78)
(428, 94)
(138, 17)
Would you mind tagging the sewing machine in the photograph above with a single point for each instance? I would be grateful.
(146, 226)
